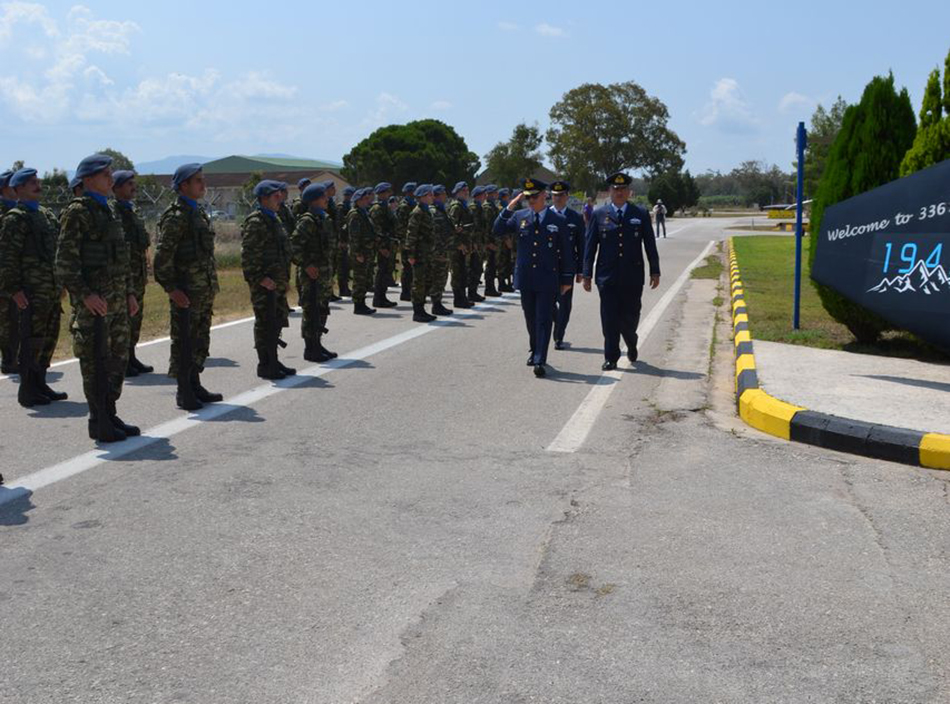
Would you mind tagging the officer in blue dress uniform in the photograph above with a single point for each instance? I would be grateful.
(545, 265)
(620, 275)
(560, 194)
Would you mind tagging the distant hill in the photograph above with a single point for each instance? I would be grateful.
(170, 163)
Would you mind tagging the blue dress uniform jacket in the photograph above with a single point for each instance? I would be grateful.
(565, 301)
(617, 243)
(545, 263)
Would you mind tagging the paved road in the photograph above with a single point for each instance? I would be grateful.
(394, 529)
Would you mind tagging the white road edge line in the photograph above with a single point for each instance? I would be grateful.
(26, 485)
(577, 428)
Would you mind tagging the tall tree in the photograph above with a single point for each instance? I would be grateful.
(596, 130)
(120, 162)
(932, 143)
(825, 125)
(427, 151)
(56, 178)
(676, 190)
(518, 157)
(874, 136)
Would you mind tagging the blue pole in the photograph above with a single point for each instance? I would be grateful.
(801, 140)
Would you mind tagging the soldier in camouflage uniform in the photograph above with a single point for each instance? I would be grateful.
(310, 250)
(479, 239)
(384, 223)
(490, 211)
(9, 342)
(287, 218)
(505, 259)
(363, 248)
(297, 207)
(28, 239)
(341, 249)
(461, 218)
(184, 266)
(403, 211)
(265, 258)
(136, 237)
(442, 248)
(92, 262)
(420, 239)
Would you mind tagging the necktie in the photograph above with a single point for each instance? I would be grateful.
(537, 223)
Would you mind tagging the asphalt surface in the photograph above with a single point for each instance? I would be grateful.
(394, 530)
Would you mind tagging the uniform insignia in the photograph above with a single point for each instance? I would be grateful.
(529, 184)
(550, 244)
(619, 179)
(524, 224)
(552, 228)
(634, 221)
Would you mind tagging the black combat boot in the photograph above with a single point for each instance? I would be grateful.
(473, 295)
(130, 369)
(130, 431)
(201, 393)
(264, 370)
(323, 350)
(490, 289)
(439, 309)
(311, 349)
(44, 388)
(459, 299)
(8, 364)
(419, 314)
(380, 301)
(287, 371)
(140, 367)
(406, 295)
(29, 394)
(104, 431)
(360, 308)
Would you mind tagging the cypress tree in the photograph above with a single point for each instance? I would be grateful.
(932, 144)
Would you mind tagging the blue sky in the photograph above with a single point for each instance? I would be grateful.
(309, 79)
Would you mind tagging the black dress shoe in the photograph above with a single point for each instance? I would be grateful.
(608, 366)
(531, 359)
(539, 370)
(632, 355)
(559, 344)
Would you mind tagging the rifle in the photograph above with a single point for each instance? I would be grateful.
(106, 431)
(186, 360)
(273, 334)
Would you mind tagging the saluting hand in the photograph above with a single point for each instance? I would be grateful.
(513, 202)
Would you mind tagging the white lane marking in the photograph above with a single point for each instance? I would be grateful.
(26, 485)
(576, 430)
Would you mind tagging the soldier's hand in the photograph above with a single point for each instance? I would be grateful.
(579, 279)
(654, 280)
(22, 302)
(313, 272)
(133, 306)
(587, 284)
(96, 304)
(565, 288)
(412, 260)
(360, 259)
(179, 298)
(268, 283)
(514, 201)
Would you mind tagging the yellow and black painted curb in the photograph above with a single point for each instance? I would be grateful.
(789, 422)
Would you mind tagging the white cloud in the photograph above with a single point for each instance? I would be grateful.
(387, 105)
(547, 30)
(440, 105)
(507, 26)
(728, 110)
(29, 13)
(335, 105)
(794, 100)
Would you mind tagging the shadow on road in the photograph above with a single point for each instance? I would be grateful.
(14, 505)
(60, 409)
(151, 450)
(220, 362)
(647, 369)
(229, 413)
(919, 383)
(575, 378)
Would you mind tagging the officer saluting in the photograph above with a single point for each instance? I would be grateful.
(545, 265)
(620, 275)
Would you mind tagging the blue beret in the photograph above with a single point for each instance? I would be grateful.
(121, 177)
(504, 191)
(21, 177)
(92, 165)
(5, 179)
(477, 191)
(75, 182)
(383, 187)
(392, 199)
(303, 183)
(409, 187)
(491, 188)
(438, 190)
(183, 173)
(312, 192)
(423, 190)
(458, 187)
(328, 184)
(349, 191)
(357, 194)
(265, 188)
(281, 185)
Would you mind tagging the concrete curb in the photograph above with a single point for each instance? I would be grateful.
(789, 422)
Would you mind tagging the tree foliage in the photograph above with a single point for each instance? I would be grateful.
(56, 178)
(517, 158)
(751, 183)
(120, 162)
(427, 151)
(932, 143)
(676, 190)
(597, 130)
(867, 153)
(825, 125)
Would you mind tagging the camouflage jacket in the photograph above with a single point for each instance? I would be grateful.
(361, 233)
(265, 249)
(489, 213)
(478, 223)
(342, 212)
(92, 256)
(136, 236)
(419, 234)
(28, 240)
(403, 212)
(310, 241)
(443, 240)
(184, 251)
(336, 226)
(297, 207)
(287, 218)
(461, 218)
(384, 223)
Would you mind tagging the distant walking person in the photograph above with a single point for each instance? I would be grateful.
(659, 216)
(588, 210)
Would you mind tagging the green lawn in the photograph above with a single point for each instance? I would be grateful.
(767, 267)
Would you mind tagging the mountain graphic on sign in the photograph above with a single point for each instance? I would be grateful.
(920, 279)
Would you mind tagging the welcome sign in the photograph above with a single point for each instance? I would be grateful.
(889, 251)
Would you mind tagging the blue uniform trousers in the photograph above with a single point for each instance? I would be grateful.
(562, 316)
(619, 317)
(538, 307)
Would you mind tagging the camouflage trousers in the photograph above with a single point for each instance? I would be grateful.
(117, 349)
(384, 270)
(135, 321)
(313, 303)
(505, 262)
(259, 304)
(476, 261)
(200, 332)
(363, 273)
(459, 271)
(421, 278)
(8, 321)
(438, 277)
(341, 264)
(44, 334)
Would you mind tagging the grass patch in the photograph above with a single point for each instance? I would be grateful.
(767, 267)
(712, 269)
(232, 302)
